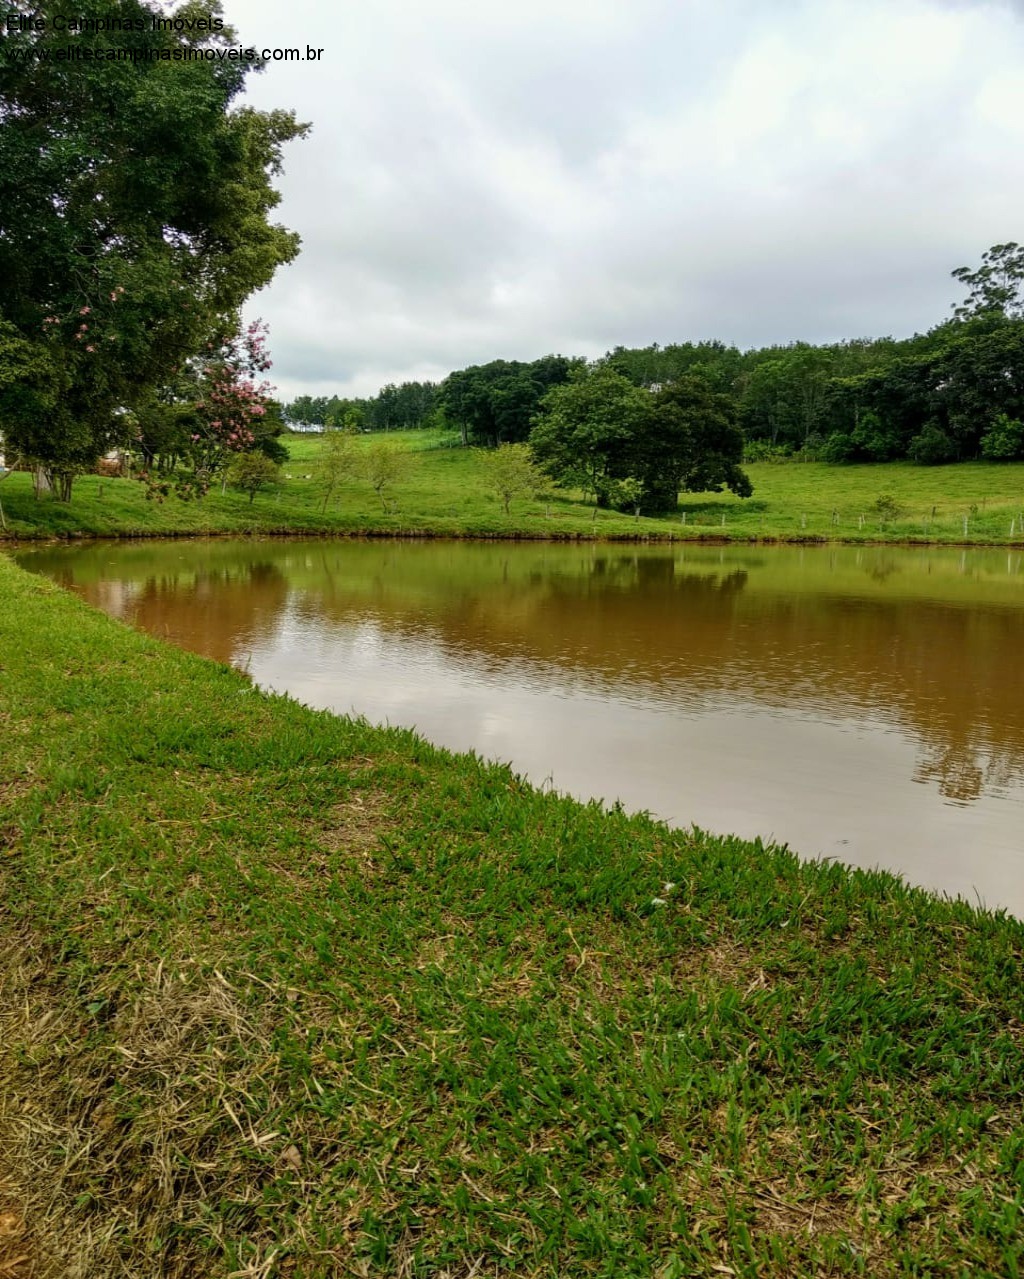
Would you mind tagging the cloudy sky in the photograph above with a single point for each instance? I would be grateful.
(491, 180)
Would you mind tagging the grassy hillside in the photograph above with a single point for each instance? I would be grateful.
(445, 492)
(287, 995)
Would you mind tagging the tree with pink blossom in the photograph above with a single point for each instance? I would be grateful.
(136, 203)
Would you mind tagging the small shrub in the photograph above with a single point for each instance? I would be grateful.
(763, 451)
(252, 471)
(887, 508)
(384, 466)
(512, 473)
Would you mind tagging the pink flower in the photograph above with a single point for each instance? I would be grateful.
(195, 437)
(113, 297)
(91, 348)
(85, 310)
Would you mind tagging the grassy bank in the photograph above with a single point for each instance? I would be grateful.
(283, 994)
(444, 492)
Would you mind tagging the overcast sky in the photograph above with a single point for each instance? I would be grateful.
(491, 180)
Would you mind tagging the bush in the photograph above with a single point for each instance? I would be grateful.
(1004, 440)
(512, 472)
(763, 451)
(887, 508)
(252, 471)
(932, 447)
(811, 450)
(839, 448)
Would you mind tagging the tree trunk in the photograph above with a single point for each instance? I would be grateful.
(59, 483)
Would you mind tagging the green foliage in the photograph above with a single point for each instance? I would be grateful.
(337, 462)
(871, 440)
(839, 448)
(399, 408)
(600, 429)
(695, 445)
(763, 451)
(384, 465)
(496, 403)
(134, 215)
(252, 471)
(995, 287)
(627, 494)
(512, 472)
(887, 508)
(404, 407)
(1004, 440)
(267, 431)
(932, 447)
(653, 367)
(589, 427)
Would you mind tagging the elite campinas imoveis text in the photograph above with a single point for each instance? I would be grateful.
(60, 22)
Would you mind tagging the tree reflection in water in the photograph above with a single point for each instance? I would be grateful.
(930, 641)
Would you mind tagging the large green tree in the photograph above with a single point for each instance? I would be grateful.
(587, 432)
(634, 448)
(695, 444)
(135, 202)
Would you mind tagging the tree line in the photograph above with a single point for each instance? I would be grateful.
(394, 408)
(954, 393)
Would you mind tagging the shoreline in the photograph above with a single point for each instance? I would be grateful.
(352, 993)
(11, 542)
(447, 493)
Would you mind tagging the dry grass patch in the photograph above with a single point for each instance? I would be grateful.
(723, 964)
(782, 1212)
(115, 1147)
(356, 825)
(17, 1258)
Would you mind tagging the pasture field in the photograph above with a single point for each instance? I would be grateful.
(285, 995)
(444, 492)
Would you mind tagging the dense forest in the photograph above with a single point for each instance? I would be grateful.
(951, 394)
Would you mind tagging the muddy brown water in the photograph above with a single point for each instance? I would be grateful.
(863, 704)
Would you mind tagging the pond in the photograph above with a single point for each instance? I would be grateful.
(863, 704)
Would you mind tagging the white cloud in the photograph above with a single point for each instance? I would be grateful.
(488, 180)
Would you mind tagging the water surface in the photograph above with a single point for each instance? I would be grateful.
(865, 704)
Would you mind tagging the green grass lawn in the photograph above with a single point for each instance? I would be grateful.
(286, 995)
(445, 493)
